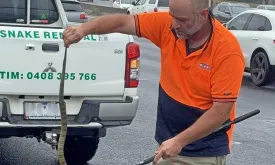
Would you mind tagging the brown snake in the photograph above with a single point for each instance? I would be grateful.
(62, 106)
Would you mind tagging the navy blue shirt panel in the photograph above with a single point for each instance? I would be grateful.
(174, 117)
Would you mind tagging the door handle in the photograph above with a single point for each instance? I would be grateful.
(50, 47)
(29, 47)
(255, 39)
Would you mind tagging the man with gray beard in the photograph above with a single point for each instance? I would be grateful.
(202, 67)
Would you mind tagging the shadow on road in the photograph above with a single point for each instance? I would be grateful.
(21, 151)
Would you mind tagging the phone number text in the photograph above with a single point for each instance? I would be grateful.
(46, 76)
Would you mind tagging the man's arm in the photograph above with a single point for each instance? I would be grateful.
(226, 83)
(115, 23)
(147, 25)
(207, 123)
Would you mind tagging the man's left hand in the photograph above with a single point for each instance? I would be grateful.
(168, 149)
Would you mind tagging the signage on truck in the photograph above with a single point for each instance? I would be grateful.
(9, 75)
(34, 34)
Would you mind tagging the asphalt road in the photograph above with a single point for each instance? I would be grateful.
(254, 140)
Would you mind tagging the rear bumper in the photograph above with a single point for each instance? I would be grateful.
(90, 125)
(93, 114)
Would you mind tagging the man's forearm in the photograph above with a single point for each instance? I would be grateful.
(107, 24)
(205, 125)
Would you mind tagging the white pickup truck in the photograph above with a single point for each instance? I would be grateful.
(101, 78)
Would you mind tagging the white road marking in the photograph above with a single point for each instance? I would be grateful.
(271, 122)
(233, 142)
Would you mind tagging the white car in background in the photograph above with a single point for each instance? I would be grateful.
(122, 4)
(255, 32)
(146, 6)
(266, 7)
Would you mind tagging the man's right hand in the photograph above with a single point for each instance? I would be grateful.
(72, 35)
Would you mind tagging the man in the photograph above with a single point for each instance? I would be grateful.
(201, 73)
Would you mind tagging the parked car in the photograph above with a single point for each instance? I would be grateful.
(138, 6)
(255, 31)
(74, 11)
(122, 4)
(225, 11)
(266, 7)
(145, 6)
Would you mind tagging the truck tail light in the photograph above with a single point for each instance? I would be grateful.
(155, 9)
(83, 16)
(132, 65)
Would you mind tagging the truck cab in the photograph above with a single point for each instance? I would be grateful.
(101, 78)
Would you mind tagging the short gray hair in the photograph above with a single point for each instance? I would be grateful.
(201, 4)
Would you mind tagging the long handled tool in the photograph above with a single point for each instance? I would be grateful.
(224, 126)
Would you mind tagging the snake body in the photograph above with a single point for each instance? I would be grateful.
(62, 106)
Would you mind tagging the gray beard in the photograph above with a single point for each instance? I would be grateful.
(190, 32)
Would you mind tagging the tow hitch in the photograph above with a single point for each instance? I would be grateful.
(50, 138)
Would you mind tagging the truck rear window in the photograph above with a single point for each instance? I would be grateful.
(43, 12)
(72, 7)
(13, 11)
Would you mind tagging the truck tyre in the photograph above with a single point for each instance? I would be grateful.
(78, 150)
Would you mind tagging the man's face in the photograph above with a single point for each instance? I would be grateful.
(187, 20)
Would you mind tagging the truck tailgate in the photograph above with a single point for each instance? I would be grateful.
(31, 63)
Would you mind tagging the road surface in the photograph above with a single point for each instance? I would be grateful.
(254, 140)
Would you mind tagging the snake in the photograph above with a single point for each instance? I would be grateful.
(62, 107)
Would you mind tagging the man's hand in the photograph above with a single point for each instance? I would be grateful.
(168, 149)
(72, 35)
